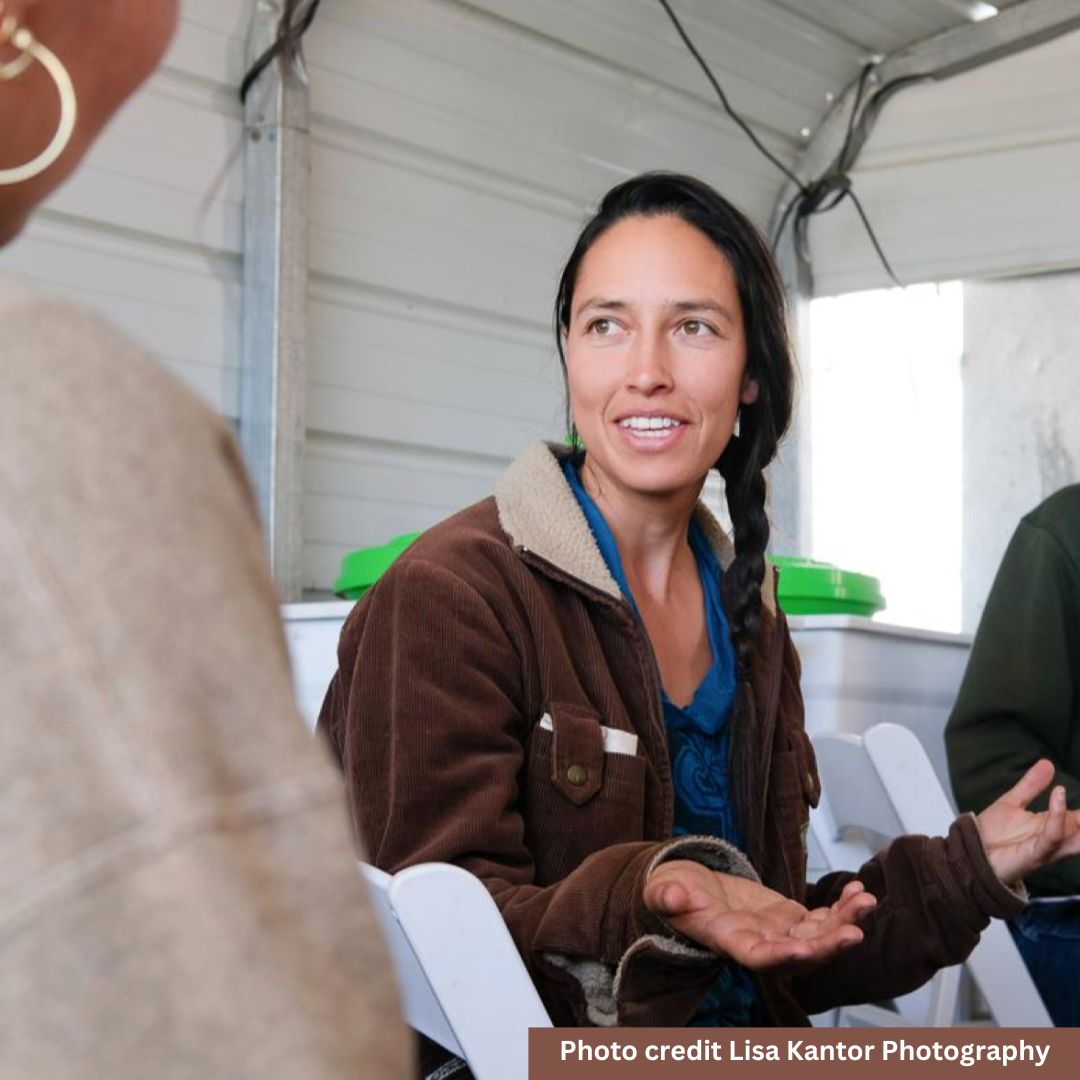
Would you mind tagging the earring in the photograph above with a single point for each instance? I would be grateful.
(736, 431)
(32, 50)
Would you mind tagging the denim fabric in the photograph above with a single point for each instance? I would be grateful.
(1048, 937)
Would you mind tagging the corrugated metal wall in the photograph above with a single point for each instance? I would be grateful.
(972, 177)
(457, 148)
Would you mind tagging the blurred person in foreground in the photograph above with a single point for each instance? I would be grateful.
(178, 895)
(1019, 702)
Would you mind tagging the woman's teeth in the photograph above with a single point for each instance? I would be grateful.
(649, 423)
(651, 427)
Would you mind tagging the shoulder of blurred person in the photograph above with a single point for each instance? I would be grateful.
(178, 888)
(1059, 515)
(1018, 700)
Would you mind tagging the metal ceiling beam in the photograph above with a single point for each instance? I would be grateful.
(273, 378)
(942, 56)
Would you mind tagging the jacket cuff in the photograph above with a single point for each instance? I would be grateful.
(663, 975)
(662, 963)
(710, 851)
(991, 895)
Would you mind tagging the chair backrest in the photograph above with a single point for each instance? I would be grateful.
(883, 784)
(463, 981)
(853, 788)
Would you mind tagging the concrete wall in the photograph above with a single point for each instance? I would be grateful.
(1021, 413)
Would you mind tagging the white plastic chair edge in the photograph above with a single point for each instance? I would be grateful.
(914, 789)
(923, 807)
(469, 963)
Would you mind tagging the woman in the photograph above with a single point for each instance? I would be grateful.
(177, 892)
(581, 692)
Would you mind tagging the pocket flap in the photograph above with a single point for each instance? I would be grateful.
(577, 758)
(616, 741)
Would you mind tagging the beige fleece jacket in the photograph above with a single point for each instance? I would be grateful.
(178, 891)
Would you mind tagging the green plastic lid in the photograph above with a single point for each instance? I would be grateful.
(808, 587)
(361, 569)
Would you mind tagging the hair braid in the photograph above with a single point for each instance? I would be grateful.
(743, 472)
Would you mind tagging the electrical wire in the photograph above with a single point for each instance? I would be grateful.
(820, 196)
(873, 237)
(835, 184)
(724, 100)
(296, 19)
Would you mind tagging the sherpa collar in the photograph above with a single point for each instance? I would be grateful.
(539, 513)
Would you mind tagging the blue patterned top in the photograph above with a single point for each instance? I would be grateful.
(697, 744)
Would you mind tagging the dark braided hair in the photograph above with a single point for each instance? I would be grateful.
(762, 424)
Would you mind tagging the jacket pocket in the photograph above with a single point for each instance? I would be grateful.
(585, 789)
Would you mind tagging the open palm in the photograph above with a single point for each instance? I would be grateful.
(1017, 841)
(754, 925)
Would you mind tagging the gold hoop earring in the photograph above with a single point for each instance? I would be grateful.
(32, 50)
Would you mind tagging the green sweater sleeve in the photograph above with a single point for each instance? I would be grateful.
(1017, 702)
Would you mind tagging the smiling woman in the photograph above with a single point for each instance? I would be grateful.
(661, 373)
(581, 691)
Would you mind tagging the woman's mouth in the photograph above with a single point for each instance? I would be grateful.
(651, 431)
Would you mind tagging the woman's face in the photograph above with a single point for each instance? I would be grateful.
(108, 47)
(655, 356)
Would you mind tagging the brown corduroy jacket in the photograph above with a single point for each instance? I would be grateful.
(497, 705)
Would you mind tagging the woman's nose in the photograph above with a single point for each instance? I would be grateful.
(648, 369)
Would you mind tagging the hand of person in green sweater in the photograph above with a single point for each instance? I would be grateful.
(752, 924)
(1018, 842)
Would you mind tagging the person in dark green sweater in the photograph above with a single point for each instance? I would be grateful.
(1020, 701)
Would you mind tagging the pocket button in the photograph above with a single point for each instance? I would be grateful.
(577, 775)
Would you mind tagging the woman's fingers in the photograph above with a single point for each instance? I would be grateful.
(1030, 784)
(765, 953)
(854, 903)
(824, 921)
(1071, 844)
(1052, 831)
(670, 899)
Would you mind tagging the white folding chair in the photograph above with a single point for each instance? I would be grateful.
(882, 785)
(463, 982)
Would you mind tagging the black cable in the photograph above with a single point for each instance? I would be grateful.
(830, 189)
(296, 19)
(868, 116)
(873, 238)
(860, 91)
(795, 200)
(724, 101)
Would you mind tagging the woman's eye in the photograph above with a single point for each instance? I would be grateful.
(696, 328)
(602, 327)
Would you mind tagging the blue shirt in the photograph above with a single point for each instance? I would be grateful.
(698, 736)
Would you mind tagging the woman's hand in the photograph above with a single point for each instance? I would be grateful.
(750, 923)
(1018, 842)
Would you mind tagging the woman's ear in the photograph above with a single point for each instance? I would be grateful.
(749, 392)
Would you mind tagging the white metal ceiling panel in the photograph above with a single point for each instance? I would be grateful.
(974, 176)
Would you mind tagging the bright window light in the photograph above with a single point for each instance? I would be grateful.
(886, 415)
